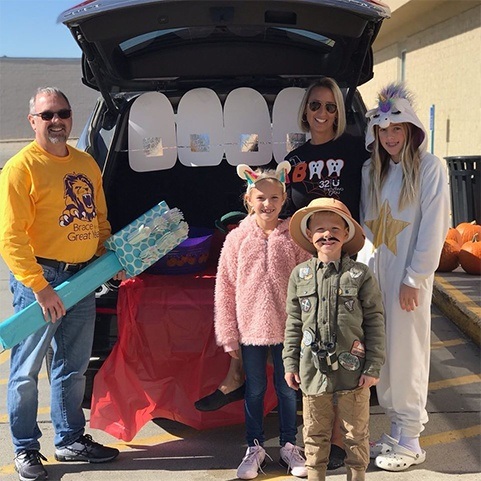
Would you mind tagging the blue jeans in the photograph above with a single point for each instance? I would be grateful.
(254, 359)
(71, 338)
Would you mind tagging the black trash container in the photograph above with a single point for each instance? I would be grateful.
(465, 184)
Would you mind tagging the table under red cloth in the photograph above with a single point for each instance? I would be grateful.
(165, 358)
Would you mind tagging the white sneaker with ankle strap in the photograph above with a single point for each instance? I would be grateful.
(292, 459)
(252, 461)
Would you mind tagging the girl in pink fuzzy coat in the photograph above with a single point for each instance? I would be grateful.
(250, 317)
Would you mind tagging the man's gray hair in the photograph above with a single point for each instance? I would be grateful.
(48, 91)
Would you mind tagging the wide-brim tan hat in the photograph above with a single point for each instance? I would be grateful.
(298, 225)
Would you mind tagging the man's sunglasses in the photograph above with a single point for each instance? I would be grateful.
(315, 105)
(49, 115)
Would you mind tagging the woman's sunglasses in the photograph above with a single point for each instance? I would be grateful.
(49, 115)
(315, 105)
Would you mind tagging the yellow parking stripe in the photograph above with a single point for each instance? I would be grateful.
(42, 375)
(44, 410)
(4, 356)
(459, 296)
(455, 381)
(150, 441)
(450, 436)
(450, 343)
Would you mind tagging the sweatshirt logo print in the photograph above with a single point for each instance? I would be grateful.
(318, 176)
(79, 199)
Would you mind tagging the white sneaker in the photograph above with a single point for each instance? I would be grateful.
(251, 462)
(292, 459)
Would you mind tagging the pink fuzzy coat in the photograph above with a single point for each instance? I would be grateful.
(251, 285)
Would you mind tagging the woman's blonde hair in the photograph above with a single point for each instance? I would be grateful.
(340, 122)
(269, 175)
(410, 163)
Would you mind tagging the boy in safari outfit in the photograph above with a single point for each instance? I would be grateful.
(334, 341)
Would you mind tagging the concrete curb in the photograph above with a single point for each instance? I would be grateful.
(452, 305)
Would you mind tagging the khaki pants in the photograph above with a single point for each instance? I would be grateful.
(318, 412)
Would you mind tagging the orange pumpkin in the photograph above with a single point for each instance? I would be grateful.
(460, 227)
(468, 230)
(453, 234)
(449, 259)
(470, 256)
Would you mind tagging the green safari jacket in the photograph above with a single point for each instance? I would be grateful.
(359, 327)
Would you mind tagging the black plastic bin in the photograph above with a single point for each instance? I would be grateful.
(465, 183)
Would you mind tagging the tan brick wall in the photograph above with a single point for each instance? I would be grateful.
(443, 67)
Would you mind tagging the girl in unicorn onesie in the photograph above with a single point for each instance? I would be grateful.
(405, 215)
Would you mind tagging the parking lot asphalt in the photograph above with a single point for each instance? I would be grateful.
(164, 450)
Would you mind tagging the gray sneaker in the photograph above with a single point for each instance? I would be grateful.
(29, 467)
(86, 449)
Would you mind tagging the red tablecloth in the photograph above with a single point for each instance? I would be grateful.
(165, 358)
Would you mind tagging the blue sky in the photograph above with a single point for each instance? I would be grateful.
(28, 28)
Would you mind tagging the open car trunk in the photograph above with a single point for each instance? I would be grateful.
(173, 45)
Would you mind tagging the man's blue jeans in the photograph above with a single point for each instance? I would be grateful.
(254, 360)
(71, 338)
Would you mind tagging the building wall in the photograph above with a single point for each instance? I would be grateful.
(20, 77)
(442, 67)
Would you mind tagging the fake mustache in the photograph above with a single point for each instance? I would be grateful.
(328, 239)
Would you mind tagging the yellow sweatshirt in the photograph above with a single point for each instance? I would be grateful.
(51, 207)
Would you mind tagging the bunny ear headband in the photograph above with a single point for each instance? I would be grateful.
(246, 173)
(394, 106)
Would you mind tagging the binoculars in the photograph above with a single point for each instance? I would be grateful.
(325, 357)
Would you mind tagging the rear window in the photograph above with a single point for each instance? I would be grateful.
(178, 36)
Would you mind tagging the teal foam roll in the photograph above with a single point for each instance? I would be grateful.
(19, 326)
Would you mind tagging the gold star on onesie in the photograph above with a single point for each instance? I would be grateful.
(385, 228)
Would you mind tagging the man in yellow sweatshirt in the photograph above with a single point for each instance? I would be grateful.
(53, 221)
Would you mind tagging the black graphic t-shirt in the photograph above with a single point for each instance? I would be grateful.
(331, 170)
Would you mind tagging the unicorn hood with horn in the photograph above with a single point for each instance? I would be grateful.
(394, 107)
